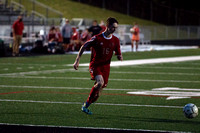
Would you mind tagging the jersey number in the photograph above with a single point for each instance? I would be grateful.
(106, 50)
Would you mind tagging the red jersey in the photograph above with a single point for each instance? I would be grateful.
(103, 48)
(18, 27)
(75, 36)
(52, 36)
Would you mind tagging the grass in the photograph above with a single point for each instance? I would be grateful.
(58, 85)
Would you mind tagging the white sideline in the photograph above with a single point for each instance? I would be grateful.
(107, 104)
(149, 61)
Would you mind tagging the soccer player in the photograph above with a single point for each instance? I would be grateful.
(103, 44)
(135, 37)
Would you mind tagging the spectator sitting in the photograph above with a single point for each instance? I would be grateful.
(102, 25)
(58, 35)
(52, 40)
(85, 36)
(74, 39)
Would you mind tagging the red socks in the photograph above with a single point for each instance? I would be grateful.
(93, 95)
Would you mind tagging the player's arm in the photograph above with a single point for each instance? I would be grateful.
(82, 49)
(118, 51)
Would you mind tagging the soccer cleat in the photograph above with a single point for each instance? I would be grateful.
(86, 110)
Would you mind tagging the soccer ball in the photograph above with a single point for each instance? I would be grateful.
(190, 110)
(132, 30)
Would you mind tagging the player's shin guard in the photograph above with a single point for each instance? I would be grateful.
(94, 94)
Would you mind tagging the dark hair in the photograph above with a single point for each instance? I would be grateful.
(111, 21)
(95, 21)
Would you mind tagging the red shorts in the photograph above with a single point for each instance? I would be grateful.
(103, 70)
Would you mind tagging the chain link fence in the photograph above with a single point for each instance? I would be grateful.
(149, 33)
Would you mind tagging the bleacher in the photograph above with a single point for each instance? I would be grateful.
(8, 14)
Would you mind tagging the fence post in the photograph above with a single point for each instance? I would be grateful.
(166, 32)
(188, 32)
(155, 32)
(178, 32)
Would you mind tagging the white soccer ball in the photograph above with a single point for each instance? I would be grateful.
(132, 30)
(190, 110)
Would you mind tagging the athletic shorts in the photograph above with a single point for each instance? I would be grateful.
(103, 70)
(66, 40)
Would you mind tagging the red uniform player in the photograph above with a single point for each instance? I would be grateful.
(103, 46)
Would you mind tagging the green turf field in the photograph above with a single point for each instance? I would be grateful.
(44, 90)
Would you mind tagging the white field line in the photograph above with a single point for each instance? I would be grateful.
(22, 64)
(149, 61)
(157, 73)
(78, 78)
(85, 70)
(44, 72)
(161, 67)
(94, 128)
(106, 104)
(174, 89)
(119, 63)
(169, 92)
(62, 88)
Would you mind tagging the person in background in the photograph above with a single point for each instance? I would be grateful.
(17, 30)
(66, 33)
(135, 36)
(74, 39)
(102, 25)
(85, 36)
(95, 28)
(52, 40)
(58, 35)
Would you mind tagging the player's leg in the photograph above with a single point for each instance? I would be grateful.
(132, 45)
(101, 82)
(97, 88)
(136, 45)
(94, 93)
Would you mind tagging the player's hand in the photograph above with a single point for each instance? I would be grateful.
(120, 57)
(76, 64)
